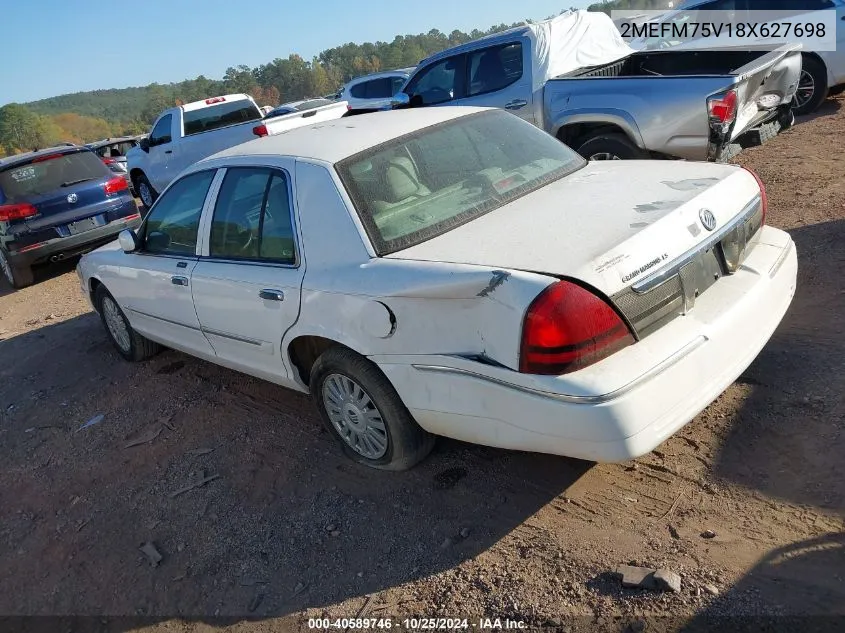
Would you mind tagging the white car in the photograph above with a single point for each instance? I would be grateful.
(456, 271)
(375, 91)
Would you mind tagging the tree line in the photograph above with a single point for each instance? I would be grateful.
(88, 116)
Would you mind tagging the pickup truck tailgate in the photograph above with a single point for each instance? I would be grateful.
(765, 83)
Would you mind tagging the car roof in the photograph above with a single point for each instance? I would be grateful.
(27, 156)
(332, 141)
(111, 141)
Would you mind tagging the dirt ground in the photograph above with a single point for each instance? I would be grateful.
(289, 528)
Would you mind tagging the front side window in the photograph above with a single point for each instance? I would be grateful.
(439, 83)
(252, 217)
(161, 132)
(495, 68)
(173, 223)
(424, 184)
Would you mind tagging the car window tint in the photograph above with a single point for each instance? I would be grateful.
(252, 218)
(220, 115)
(495, 68)
(397, 83)
(50, 173)
(161, 132)
(277, 242)
(436, 84)
(359, 91)
(173, 222)
(380, 88)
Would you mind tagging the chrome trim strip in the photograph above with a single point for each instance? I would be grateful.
(781, 259)
(600, 399)
(150, 316)
(240, 339)
(654, 280)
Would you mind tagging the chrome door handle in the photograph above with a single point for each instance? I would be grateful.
(272, 295)
(516, 104)
(177, 280)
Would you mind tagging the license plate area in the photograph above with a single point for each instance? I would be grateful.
(698, 275)
(86, 224)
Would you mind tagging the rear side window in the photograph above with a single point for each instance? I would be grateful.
(220, 115)
(252, 217)
(359, 91)
(50, 173)
(493, 69)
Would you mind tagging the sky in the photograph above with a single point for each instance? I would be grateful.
(56, 47)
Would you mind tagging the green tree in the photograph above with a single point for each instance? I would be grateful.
(21, 130)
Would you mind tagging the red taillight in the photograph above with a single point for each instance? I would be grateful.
(764, 199)
(108, 161)
(722, 109)
(16, 211)
(215, 100)
(260, 130)
(568, 328)
(116, 185)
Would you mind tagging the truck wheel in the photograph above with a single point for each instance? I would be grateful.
(611, 147)
(145, 191)
(16, 276)
(365, 414)
(131, 345)
(812, 86)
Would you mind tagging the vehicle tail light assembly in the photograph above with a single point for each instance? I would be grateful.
(41, 159)
(16, 211)
(215, 100)
(764, 199)
(260, 130)
(108, 161)
(116, 185)
(568, 328)
(722, 108)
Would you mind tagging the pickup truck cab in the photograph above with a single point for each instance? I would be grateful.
(574, 77)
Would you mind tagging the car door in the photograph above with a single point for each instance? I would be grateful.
(161, 148)
(496, 78)
(246, 286)
(153, 283)
(439, 83)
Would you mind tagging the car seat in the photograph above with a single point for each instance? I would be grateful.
(400, 184)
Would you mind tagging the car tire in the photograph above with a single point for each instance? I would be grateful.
(129, 344)
(145, 190)
(813, 77)
(374, 417)
(16, 276)
(611, 147)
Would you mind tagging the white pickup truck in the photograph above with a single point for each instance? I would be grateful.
(186, 134)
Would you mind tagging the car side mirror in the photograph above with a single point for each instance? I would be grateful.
(128, 240)
(144, 144)
(400, 100)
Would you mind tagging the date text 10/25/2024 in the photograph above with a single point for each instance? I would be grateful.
(417, 624)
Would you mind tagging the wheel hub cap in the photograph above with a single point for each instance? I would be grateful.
(116, 324)
(806, 89)
(146, 196)
(355, 416)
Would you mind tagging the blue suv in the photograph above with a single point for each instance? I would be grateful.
(56, 203)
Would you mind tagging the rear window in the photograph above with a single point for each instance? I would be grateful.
(115, 149)
(48, 173)
(415, 187)
(220, 115)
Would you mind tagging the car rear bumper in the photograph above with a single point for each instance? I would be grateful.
(64, 247)
(692, 360)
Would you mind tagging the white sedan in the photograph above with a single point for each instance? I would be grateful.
(456, 272)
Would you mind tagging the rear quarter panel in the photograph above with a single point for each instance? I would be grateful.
(382, 306)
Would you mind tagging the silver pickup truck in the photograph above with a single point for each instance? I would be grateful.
(574, 77)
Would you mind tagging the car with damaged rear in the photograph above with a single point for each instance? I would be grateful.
(480, 281)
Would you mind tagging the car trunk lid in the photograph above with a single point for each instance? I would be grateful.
(612, 225)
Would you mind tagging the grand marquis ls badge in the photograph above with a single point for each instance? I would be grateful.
(707, 219)
(72, 198)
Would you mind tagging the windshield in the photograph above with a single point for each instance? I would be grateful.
(49, 173)
(421, 185)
